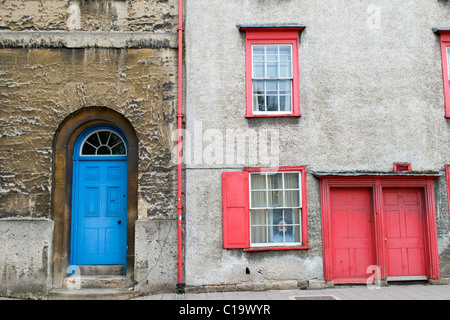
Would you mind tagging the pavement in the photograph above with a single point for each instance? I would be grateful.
(403, 291)
(361, 292)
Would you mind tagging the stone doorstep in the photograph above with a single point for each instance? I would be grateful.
(91, 294)
(95, 282)
(101, 270)
(101, 282)
(93, 287)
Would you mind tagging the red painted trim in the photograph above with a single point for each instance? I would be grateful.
(377, 183)
(277, 248)
(275, 35)
(304, 217)
(402, 167)
(447, 179)
(445, 42)
(236, 213)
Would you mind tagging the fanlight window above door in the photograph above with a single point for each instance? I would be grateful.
(103, 143)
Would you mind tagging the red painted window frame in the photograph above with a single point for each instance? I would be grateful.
(244, 208)
(445, 43)
(272, 35)
(377, 183)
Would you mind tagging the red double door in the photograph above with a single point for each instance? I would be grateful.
(358, 236)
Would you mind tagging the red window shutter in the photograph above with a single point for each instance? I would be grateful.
(236, 229)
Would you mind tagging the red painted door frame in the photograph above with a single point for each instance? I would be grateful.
(377, 183)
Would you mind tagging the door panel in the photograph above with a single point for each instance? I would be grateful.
(352, 234)
(101, 213)
(403, 209)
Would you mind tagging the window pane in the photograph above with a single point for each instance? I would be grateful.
(296, 215)
(259, 234)
(292, 198)
(292, 234)
(272, 53)
(275, 199)
(258, 217)
(272, 70)
(258, 70)
(285, 103)
(285, 86)
(271, 87)
(278, 226)
(93, 139)
(275, 181)
(255, 103)
(104, 136)
(119, 149)
(113, 140)
(285, 53)
(258, 199)
(291, 180)
(104, 150)
(285, 70)
(88, 149)
(258, 86)
(261, 103)
(272, 103)
(296, 231)
(258, 181)
(258, 51)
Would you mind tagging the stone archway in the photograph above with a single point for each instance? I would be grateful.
(63, 144)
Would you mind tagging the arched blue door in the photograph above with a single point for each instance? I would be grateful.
(99, 203)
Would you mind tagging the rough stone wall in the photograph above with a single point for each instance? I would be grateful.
(371, 94)
(107, 15)
(41, 87)
(43, 81)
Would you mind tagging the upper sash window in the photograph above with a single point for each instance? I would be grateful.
(272, 71)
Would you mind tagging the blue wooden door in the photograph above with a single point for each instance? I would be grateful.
(100, 199)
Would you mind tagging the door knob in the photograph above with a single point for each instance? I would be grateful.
(119, 222)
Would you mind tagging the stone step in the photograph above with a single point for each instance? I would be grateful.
(91, 294)
(94, 281)
(116, 269)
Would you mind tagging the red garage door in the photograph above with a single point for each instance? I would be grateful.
(352, 242)
(404, 234)
(383, 221)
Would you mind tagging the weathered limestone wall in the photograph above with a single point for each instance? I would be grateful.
(57, 57)
(41, 87)
(107, 15)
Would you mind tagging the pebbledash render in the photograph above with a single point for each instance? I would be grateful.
(314, 145)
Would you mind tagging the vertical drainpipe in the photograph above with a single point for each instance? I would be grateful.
(180, 285)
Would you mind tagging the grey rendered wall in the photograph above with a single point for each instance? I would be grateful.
(371, 94)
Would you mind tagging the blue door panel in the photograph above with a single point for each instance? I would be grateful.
(100, 234)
